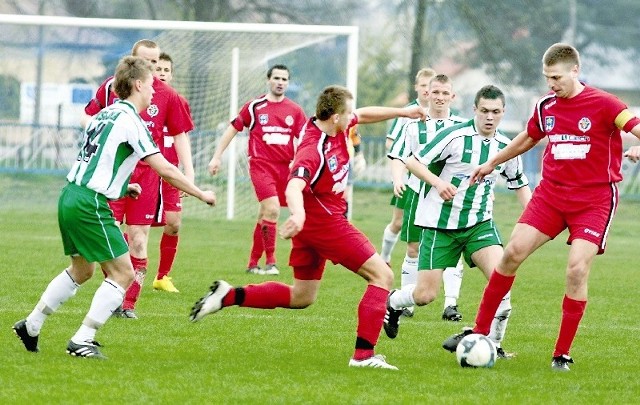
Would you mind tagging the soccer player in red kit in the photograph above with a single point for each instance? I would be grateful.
(320, 229)
(166, 110)
(171, 201)
(274, 122)
(578, 191)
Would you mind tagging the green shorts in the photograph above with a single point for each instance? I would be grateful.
(410, 232)
(441, 248)
(399, 202)
(87, 225)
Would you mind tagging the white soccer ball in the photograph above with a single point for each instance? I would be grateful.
(476, 350)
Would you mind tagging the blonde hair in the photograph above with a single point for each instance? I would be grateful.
(561, 53)
(147, 43)
(425, 72)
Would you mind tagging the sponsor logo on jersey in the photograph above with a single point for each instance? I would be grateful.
(275, 138)
(584, 124)
(153, 110)
(288, 120)
(549, 123)
(333, 163)
(569, 138)
(263, 119)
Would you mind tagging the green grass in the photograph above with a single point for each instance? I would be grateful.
(284, 356)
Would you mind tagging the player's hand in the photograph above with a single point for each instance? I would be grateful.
(480, 172)
(415, 112)
(214, 166)
(292, 226)
(133, 190)
(359, 164)
(446, 191)
(209, 197)
(399, 188)
(633, 153)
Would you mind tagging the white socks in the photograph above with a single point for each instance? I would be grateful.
(452, 280)
(59, 290)
(106, 299)
(402, 298)
(389, 240)
(499, 323)
(409, 271)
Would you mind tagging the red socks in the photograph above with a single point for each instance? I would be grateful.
(268, 295)
(258, 246)
(572, 312)
(494, 292)
(168, 249)
(370, 319)
(133, 292)
(269, 231)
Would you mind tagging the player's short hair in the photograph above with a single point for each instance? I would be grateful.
(147, 43)
(425, 72)
(166, 57)
(561, 53)
(489, 92)
(441, 78)
(279, 67)
(332, 100)
(130, 69)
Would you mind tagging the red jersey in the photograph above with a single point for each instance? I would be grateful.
(169, 151)
(322, 161)
(272, 128)
(166, 109)
(585, 146)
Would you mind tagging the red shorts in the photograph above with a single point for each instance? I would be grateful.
(586, 211)
(147, 208)
(269, 179)
(327, 237)
(171, 202)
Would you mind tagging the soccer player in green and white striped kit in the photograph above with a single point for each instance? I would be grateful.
(413, 136)
(114, 141)
(456, 216)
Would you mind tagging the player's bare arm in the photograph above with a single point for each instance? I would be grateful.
(294, 224)
(518, 145)
(398, 174)
(174, 176)
(225, 140)
(368, 115)
(446, 190)
(183, 149)
(633, 153)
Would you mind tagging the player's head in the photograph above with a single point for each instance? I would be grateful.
(146, 49)
(335, 105)
(489, 109)
(440, 95)
(278, 80)
(561, 67)
(164, 68)
(421, 86)
(134, 80)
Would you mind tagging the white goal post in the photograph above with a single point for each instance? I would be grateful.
(218, 66)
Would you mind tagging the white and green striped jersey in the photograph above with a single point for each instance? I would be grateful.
(398, 123)
(114, 141)
(453, 155)
(415, 134)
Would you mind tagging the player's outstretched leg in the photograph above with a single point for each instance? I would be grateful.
(211, 302)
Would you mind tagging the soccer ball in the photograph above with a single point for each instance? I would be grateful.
(476, 350)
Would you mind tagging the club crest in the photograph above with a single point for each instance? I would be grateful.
(549, 123)
(152, 110)
(288, 120)
(584, 124)
(333, 163)
(263, 118)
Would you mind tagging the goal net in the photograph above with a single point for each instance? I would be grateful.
(54, 64)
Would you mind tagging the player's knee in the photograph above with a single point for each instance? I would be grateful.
(301, 301)
(172, 228)
(423, 296)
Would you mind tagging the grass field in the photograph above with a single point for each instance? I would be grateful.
(283, 356)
